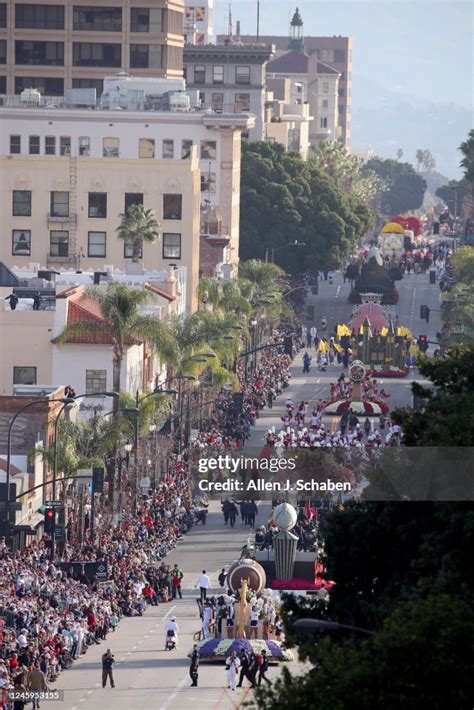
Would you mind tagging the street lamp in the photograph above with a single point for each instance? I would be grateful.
(43, 400)
(317, 625)
(296, 243)
(69, 401)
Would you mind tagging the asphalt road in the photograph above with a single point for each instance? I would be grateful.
(147, 676)
(332, 303)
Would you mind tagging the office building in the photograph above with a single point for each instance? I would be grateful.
(75, 43)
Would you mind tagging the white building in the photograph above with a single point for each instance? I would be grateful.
(199, 22)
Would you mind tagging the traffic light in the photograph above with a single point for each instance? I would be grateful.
(238, 402)
(97, 480)
(435, 227)
(49, 520)
(423, 343)
(425, 313)
(288, 345)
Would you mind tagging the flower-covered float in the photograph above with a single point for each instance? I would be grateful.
(220, 649)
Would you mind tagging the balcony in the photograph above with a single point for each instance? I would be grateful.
(212, 229)
(62, 219)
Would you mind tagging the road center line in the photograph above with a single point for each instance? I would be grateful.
(175, 692)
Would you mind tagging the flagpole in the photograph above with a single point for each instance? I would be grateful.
(258, 20)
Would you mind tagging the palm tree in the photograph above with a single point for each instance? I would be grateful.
(467, 162)
(120, 307)
(399, 153)
(138, 225)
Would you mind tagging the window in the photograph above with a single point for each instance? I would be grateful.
(218, 74)
(186, 148)
(15, 145)
(47, 86)
(325, 87)
(24, 375)
(3, 84)
(59, 204)
(65, 145)
(96, 242)
(339, 56)
(325, 103)
(171, 246)
(97, 19)
(340, 93)
(39, 17)
(50, 145)
(96, 54)
(46, 53)
(3, 14)
(128, 252)
(217, 102)
(21, 203)
(242, 102)
(97, 205)
(145, 56)
(59, 243)
(323, 122)
(111, 147)
(34, 145)
(84, 145)
(242, 75)
(208, 150)
(340, 108)
(146, 148)
(208, 183)
(172, 206)
(133, 198)
(3, 51)
(199, 74)
(96, 381)
(168, 149)
(21, 242)
(144, 19)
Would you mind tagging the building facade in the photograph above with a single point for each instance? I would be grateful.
(230, 79)
(54, 45)
(335, 51)
(314, 84)
(199, 22)
(68, 175)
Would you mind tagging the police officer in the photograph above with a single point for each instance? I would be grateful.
(194, 666)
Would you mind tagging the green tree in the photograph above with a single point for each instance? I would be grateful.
(284, 199)
(138, 225)
(406, 188)
(467, 162)
(421, 656)
(447, 414)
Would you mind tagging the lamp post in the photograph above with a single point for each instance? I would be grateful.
(316, 625)
(272, 251)
(68, 401)
(198, 357)
(43, 400)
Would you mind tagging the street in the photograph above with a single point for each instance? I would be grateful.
(147, 676)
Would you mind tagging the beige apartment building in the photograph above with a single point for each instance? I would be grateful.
(54, 45)
(66, 176)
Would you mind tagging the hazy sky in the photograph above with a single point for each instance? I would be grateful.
(422, 48)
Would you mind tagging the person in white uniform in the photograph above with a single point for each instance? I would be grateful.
(232, 665)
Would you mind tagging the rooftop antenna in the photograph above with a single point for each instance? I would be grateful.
(258, 20)
(230, 29)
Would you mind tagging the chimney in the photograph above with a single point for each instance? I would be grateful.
(237, 31)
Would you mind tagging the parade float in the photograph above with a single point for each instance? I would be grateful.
(246, 581)
(375, 278)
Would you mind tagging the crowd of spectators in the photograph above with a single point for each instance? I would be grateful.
(52, 612)
(233, 415)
